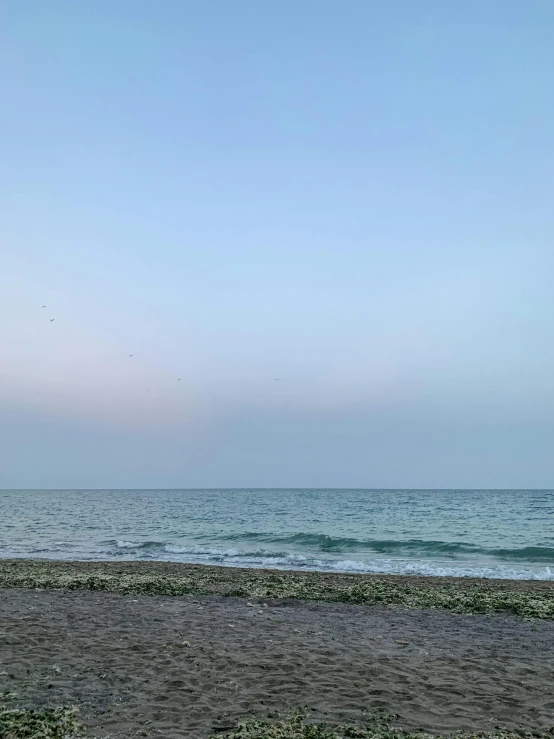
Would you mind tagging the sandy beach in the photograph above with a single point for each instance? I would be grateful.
(193, 665)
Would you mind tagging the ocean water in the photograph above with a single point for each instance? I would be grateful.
(483, 533)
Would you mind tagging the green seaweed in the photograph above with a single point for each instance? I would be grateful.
(377, 726)
(53, 723)
(62, 723)
(526, 599)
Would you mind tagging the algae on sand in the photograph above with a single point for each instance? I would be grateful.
(376, 727)
(528, 599)
(53, 723)
(62, 723)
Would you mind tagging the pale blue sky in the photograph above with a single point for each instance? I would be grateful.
(353, 197)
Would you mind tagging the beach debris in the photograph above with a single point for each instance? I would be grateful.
(402, 642)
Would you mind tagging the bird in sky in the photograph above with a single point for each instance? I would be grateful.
(52, 319)
(275, 378)
(130, 355)
(178, 379)
(44, 306)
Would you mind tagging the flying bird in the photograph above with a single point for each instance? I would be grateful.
(52, 319)
(178, 379)
(44, 306)
(130, 355)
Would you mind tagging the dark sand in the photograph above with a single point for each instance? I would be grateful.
(123, 660)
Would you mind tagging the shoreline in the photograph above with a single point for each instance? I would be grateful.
(525, 598)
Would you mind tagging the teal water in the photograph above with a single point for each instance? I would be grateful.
(484, 533)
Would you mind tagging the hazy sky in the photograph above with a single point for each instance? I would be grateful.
(353, 197)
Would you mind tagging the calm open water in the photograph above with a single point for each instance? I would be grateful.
(485, 533)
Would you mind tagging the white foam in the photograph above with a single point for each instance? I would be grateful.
(437, 569)
(258, 560)
(199, 551)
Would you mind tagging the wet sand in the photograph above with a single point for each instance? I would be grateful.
(188, 666)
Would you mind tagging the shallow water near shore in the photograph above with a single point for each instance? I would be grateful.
(474, 533)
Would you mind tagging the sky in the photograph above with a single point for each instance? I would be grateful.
(323, 230)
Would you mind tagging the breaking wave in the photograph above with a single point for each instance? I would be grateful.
(411, 547)
(273, 559)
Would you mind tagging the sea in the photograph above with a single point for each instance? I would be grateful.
(468, 533)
